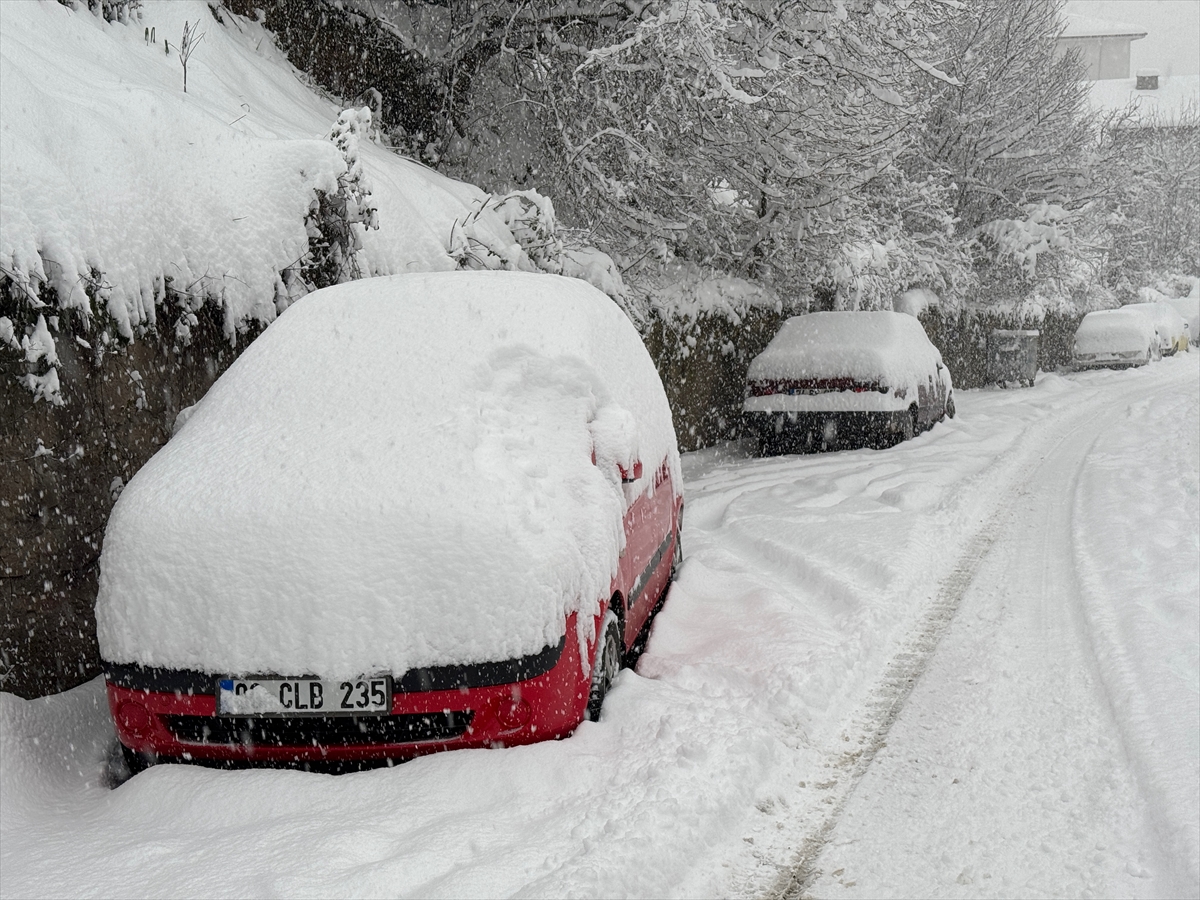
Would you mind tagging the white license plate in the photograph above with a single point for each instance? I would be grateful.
(369, 695)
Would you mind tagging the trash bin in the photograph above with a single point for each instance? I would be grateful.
(1012, 357)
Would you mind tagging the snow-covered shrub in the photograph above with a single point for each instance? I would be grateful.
(600, 270)
(540, 245)
(530, 217)
(1049, 259)
(111, 10)
(1044, 227)
(474, 247)
(897, 235)
(337, 219)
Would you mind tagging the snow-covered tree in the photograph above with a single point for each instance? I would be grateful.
(1012, 143)
(761, 138)
(337, 219)
(1151, 184)
(758, 138)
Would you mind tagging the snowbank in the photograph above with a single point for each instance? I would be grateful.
(210, 187)
(886, 348)
(398, 473)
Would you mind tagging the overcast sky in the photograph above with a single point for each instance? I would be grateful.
(1172, 42)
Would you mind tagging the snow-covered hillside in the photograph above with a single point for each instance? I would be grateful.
(116, 183)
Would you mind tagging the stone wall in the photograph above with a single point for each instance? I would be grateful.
(61, 468)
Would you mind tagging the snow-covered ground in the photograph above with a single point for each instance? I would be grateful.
(1050, 748)
(1049, 538)
(208, 184)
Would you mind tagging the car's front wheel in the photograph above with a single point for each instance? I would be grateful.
(135, 762)
(606, 665)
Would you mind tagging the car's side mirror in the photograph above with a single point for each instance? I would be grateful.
(627, 476)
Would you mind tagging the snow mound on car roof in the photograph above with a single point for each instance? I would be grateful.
(1166, 319)
(1114, 330)
(888, 348)
(397, 474)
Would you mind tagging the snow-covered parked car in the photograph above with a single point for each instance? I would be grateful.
(419, 512)
(1115, 338)
(1189, 309)
(834, 378)
(1168, 324)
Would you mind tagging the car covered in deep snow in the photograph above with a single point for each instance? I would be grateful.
(1169, 325)
(1189, 309)
(1116, 339)
(419, 512)
(831, 379)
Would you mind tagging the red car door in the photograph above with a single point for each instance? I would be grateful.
(646, 565)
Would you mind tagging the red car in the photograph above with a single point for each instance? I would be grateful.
(420, 512)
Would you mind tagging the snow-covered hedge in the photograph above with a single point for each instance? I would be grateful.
(702, 329)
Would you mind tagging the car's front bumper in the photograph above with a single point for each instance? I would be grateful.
(1123, 360)
(432, 710)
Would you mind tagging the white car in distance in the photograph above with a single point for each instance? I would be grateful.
(1189, 308)
(1168, 324)
(1115, 339)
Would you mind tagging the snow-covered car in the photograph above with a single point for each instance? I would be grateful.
(1189, 309)
(1168, 324)
(1115, 338)
(835, 378)
(420, 512)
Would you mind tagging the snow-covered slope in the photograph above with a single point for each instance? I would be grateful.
(114, 179)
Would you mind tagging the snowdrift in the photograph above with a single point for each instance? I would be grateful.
(398, 473)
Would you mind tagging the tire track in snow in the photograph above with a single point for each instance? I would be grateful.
(874, 720)
(883, 707)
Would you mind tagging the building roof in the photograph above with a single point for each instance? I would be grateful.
(1081, 26)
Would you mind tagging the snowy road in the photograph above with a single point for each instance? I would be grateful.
(1037, 586)
(1016, 768)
